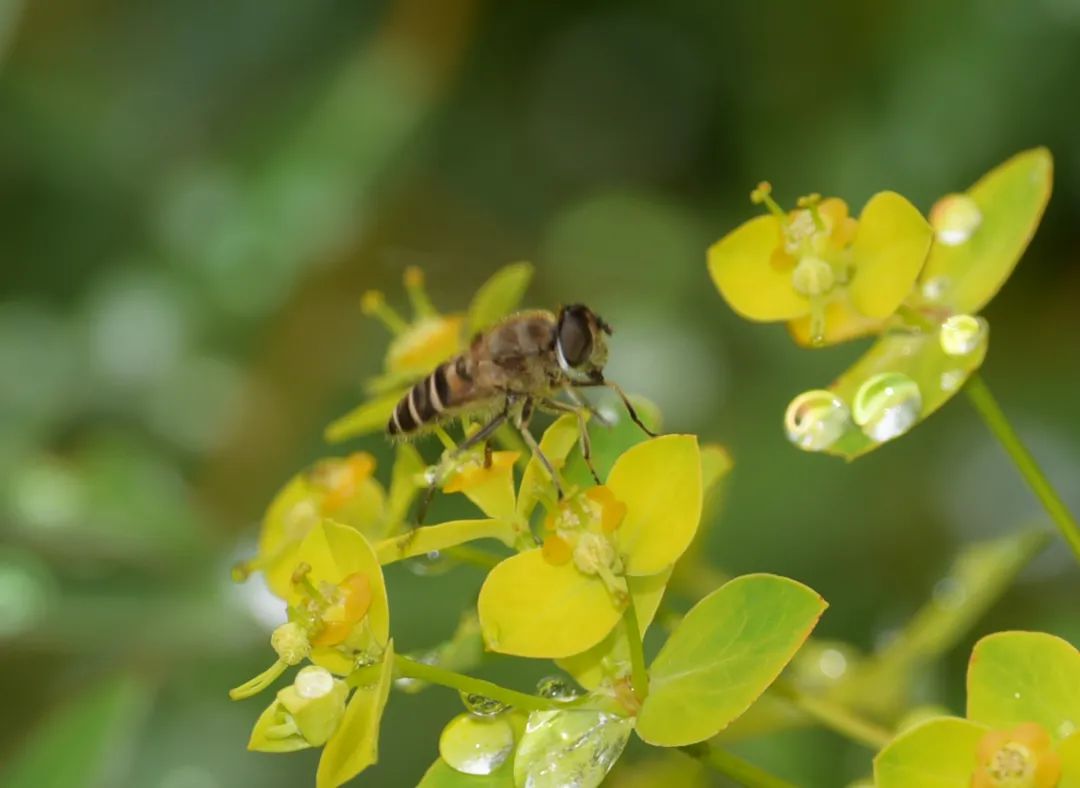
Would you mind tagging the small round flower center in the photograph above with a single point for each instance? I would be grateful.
(813, 277)
(291, 643)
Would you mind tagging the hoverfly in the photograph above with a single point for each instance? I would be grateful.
(517, 366)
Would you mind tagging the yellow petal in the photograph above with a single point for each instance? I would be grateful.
(659, 480)
(741, 267)
(335, 551)
(889, 250)
(591, 667)
(531, 608)
(428, 342)
(490, 488)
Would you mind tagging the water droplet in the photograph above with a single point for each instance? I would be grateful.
(833, 663)
(556, 688)
(816, 419)
(934, 288)
(431, 474)
(955, 218)
(1016, 696)
(569, 748)
(950, 593)
(313, 682)
(962, 334)
(409, 684)
(474, 745)
(1066, 729)
(434, 563)
(482, 705)
(951, 379)
(887, 405)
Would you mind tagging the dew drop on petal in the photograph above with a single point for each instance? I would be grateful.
(569, 748)
(434, 563)
(816, 419)
(887, 405)
(482, 705)
(475, 745)
(556, 688)
(951, 379)
(313, 682)
(962, 334)
(935, 288)
(955, 218)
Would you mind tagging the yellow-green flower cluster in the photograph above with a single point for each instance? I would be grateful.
(916, 283)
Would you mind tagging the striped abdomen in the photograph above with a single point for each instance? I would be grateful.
(445, 388)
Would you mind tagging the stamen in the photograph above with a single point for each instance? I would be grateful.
(763, 195)
(810, 202)
(817, 321)
(300, 578)
(373, 304)
(259, 683)
(414, 284)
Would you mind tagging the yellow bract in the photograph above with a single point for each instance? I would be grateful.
(830, 277)
(491, 486)
(530, 607)
(335, 552)
(659, 481)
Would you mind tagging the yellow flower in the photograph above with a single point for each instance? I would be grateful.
(830, 277)
(487, 481)
(339, 487)
(565, 597)
(421, 344)
(1019, 758)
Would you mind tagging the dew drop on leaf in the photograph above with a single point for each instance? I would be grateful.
(476, 745)
(961, 335)
(887, 405)
(935, 288)
(482, 705)
(556, 688)
(816, 419)
(569, 748)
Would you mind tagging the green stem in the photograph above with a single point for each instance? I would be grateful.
(732, 766)
(420, 541)
(988, 408)
(835, 717)
(433, 674)
(639, 674)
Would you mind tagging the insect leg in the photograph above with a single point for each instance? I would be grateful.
(584, 441)
(625, 401)
(582, 402)
(522, 424)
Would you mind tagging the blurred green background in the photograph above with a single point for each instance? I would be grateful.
(194, 194)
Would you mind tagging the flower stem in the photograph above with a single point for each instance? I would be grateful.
(988, 408)
(639, 674)
(414, 669)
(730, 765)
(835, 717)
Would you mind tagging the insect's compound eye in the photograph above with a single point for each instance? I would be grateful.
(575, 335)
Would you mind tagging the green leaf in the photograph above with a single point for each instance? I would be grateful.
(499, 296)
(921, 358)
(355, 745)
(84, 742)
(726, 651)
(938, 753)
(368, 417)
(660, 483)
(442, 775)
(1011, 199)
(1017, 677)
